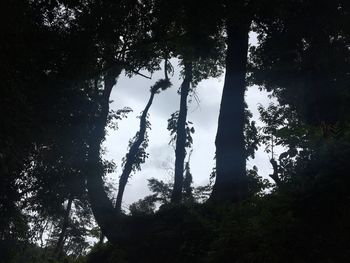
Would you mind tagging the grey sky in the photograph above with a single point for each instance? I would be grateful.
(134, 93)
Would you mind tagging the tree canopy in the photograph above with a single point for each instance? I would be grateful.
(60, 62)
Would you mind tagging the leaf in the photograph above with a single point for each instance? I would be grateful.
(292, 152)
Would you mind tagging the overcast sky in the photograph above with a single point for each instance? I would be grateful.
(204, 114)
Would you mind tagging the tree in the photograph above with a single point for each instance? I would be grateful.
(282, 128)
(65, 221)
(283, 31)
(31, 94)
(187, 144)
(180, 151)
(137, 146)
(197, 43)
(306, 69)
(121, 51)
(231, 180)
(85, 47)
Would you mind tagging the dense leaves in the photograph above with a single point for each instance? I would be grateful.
(59, 62)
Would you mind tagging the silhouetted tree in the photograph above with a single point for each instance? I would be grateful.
(289, 63)
(137, 146)
(306, 69)
(231, 179)
(65, 222)
(198, 44)
(130, 29)
(180, 146)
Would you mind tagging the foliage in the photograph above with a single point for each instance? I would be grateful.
(272, 228)
(305, 68)
(141, 154)
(59, 62)
(257, 185)
(251, 135)
(172, 125)
(115, 116)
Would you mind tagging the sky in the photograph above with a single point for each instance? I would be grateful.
(202, 111)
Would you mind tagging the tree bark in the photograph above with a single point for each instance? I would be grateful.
(180, 151)
(65, 222)
(231, 180)
(101, 205)
(132, 154)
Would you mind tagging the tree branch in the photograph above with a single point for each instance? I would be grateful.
(140, 74)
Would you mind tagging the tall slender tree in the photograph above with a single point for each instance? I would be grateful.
(136, 154)
(181, 136)
(121, 38)
(198, 44)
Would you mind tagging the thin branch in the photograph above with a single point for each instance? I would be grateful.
(142, 75)
(166, 68)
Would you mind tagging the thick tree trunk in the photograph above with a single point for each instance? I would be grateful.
(101, 205)
(231, 181)
(180, 151)
(132, 154)
(65, 222)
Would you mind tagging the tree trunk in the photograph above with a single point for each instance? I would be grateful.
(231, 180)
(132, 154)
(180, 151)
(101, 205)
(65, 222)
